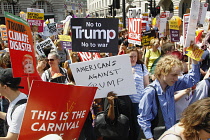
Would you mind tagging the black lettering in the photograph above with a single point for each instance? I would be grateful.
(102, 85)
(15, 26)
(113, 62)
(100, 75)
(119, 80)
(116, 70)
(109, 83)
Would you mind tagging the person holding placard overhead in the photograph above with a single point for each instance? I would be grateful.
(157, 106)
(141, 78)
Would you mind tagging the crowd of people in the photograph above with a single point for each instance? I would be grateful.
(172, 91)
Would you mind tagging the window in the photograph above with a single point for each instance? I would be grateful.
(9, 8)
(43, 5)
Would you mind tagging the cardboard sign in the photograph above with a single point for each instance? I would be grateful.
(59, 109)
(60, 27)
(162, 24)
(108, 74)
(145, 16)
(135, 25)
(206, 21)
(3, 30)
(87, 56)
(52, 28)
(40, 46)
(202, 13)
(134, 30)
(20, 42)
(66, 45)
(35, 18)
(174, 30)
(94, 34)
(195, 6)
(185, 25)
(64, 38)
(146, 38)
(194, 54)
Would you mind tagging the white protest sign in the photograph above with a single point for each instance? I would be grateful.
(195, 7)
(43, 44)
(162, 26)
(52, 28)
(206, 21)
(108, 74)
(202, 13)
(185, 24)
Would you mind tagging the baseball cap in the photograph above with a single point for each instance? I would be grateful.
(6, 78)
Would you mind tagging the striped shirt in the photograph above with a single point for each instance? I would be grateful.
(148, 106)
(139, 82)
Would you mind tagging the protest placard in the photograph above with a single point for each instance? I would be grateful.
(194, 54)
(147, 37)
(174, 30)
(66, 45)
(195, 6)
(59, 27)
(135, 25)
(52, 28)
(64, 38)
(35, 17)
(108, 74)
(202, 13)
(20, 42)
(162, 24)
(206, 21)
(59, 109)
(87, 56)
(46, 43)
(3, 30)
(185, 25)
(94, 35)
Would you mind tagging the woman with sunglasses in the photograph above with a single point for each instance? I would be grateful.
(55, 73)
(194, 124)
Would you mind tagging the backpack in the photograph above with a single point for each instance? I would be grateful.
(60, 79)
(6, 126)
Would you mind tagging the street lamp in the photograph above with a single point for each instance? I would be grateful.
(13, 2)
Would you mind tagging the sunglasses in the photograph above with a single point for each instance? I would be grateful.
(50, 59)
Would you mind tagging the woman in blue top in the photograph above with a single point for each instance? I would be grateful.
(141, 77)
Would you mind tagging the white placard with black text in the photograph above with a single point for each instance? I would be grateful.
(108, 74)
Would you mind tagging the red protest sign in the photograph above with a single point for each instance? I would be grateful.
(87, 56)
(21, 48)
(134, 30)
(60, 109)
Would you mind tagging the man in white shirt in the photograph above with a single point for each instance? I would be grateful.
(9, 88)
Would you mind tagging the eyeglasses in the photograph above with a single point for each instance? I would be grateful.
(50, 59)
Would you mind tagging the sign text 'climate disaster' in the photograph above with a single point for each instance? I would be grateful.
(19, 40)
(94, 34)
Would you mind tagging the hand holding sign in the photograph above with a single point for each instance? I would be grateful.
(194, 52)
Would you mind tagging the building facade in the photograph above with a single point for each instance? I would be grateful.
(52, 8)
(177, 7)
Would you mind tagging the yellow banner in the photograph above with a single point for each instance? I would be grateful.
(36, 16)
(64, 38)
(173, 24)
(194, 54)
